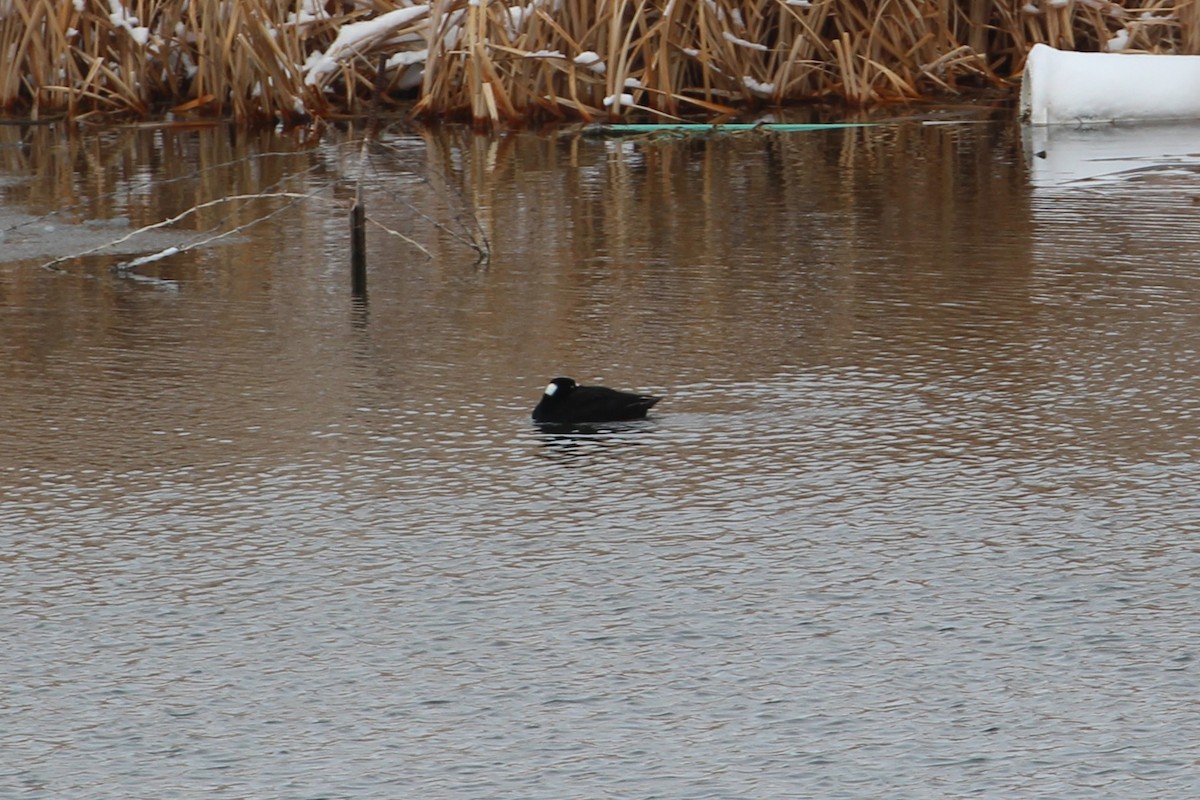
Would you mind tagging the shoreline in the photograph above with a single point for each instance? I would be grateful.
(507, 65)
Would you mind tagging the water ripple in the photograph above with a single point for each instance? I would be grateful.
(913, 519)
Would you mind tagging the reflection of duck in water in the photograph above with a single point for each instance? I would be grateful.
(566, 402)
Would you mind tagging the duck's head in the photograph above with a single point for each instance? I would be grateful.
(559, 388)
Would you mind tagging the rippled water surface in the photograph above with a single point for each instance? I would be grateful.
(917, 517)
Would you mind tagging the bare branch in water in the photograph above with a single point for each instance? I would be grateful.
(296, 196)
(126, 267)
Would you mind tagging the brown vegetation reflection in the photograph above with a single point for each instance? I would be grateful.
(800, 237)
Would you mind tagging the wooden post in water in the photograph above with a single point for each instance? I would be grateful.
(358, 249)
(358, 214)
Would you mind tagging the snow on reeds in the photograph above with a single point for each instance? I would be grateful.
(517, 60)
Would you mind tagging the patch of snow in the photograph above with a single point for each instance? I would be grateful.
(121, 18)
(516, 17)
(411, 78)
(592, 61)
(623, 99)
(357, 37)
(545, 54)
(159, 256)
(452, 29)
(729, 37)
(1118, 42)
(310, 11)
(411, 64)
(407, 58)
(758, 88)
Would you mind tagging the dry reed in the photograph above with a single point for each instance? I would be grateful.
(504, 62)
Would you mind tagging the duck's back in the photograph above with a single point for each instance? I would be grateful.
(592, 404)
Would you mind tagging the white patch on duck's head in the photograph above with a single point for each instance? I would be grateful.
(560, 388)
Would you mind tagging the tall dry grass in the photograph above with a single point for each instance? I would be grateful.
(240, 59)
(504, 62)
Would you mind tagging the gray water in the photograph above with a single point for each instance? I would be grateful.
(916, 517)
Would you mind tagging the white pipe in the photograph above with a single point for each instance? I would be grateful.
(1061, 87)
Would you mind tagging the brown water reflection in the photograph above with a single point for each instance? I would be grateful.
(914, 516)
(653, 263)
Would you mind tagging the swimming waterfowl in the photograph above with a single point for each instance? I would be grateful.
(566, 402)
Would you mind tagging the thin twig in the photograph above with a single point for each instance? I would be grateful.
(53, 264)
(399, 235)
(121, 269)
(473, 235)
